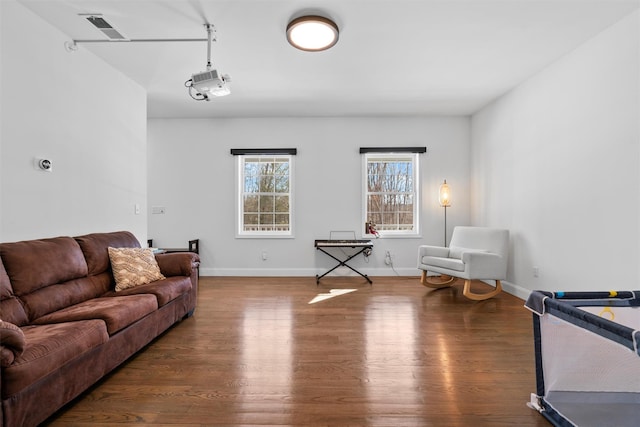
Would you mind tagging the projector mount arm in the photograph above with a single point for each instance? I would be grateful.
(210, 37)
(202, 86)
(72, 46)
(189, 83)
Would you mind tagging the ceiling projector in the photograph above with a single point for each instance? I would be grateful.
(210, 83)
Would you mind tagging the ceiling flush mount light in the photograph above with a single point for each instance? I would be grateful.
(312, 33)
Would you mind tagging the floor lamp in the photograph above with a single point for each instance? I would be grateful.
(444, 197)
(445, 201)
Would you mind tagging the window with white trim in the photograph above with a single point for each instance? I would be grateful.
(265, 196)
(391, 193)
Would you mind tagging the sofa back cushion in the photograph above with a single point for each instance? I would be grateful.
(34, 266)
(95, 248)
(11, 309)
(62, 295)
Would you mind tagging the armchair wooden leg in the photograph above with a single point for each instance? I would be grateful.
(444, 281)
(479, 297)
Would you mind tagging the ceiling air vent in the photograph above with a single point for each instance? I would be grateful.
(106, 28)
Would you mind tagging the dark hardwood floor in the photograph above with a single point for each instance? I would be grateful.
(395, 353)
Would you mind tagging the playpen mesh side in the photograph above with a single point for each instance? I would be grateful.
(584, 378)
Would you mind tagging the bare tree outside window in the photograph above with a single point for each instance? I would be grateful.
(266, 194)
(391, 194)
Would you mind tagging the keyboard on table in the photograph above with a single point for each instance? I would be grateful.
(345, 243)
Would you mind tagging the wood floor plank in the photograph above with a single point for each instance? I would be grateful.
(394, 353)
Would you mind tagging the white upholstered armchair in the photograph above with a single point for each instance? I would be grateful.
(475, 253)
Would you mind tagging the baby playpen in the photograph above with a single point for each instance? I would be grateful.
(587, 357)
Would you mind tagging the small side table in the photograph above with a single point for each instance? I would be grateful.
(194, 246)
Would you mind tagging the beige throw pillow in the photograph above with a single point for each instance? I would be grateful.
(133, 266)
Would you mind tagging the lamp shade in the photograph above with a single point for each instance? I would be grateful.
(312, 33)
(444, 195)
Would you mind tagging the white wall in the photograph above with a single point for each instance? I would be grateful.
(191, 174)
(89, 119)
(557, 161)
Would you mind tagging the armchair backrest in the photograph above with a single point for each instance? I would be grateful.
(492, 240)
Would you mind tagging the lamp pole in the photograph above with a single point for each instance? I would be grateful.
(445, 226)
(444, 197)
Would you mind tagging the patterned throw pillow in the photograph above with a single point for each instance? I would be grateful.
(133, 266)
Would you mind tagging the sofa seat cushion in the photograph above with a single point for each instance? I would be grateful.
(164, 290)
(117, 312)
(47, 348)
(450, 263)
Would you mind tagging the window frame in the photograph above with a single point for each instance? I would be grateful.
(239, 192)
(416, 176)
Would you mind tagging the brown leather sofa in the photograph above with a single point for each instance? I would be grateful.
(63, 326)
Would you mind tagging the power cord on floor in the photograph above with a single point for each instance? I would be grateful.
(388, 260)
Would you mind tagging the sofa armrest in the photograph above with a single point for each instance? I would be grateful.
(178, 263)
(484, 265)
(436, 251)
(12, 343)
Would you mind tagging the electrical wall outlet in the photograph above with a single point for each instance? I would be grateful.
(536, 271)
(264, 255)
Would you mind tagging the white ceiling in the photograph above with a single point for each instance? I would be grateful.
(394, 57)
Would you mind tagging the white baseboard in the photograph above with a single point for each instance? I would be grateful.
(510, 288)
(515, 290)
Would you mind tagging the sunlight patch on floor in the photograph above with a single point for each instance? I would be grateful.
(332, 293)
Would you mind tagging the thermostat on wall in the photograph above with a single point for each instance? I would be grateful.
(45, 164)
